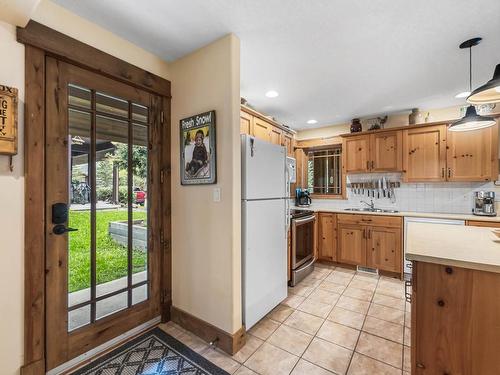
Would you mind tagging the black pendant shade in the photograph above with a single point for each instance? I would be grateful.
(489, 92)
(472, 121)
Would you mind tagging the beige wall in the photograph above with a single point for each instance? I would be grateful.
(206, 234)
(12, 184)
(12, 218)
(440, 114)
(17, 12)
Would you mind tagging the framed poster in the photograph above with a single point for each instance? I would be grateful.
(8, 120)
(198, 158)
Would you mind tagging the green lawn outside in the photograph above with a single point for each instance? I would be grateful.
(111, 258)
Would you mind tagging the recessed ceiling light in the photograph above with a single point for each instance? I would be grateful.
(272, 94)
(312, 122)
(463, 94)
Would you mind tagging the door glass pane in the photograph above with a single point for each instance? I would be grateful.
(139, 113)
(110, 105)
(140, 202)
(79, 242)
(108, 254)
(79, 317)
(111, 218)
(111, 305)
(139, 294)
(79, 96)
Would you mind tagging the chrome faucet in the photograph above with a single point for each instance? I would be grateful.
(371, 204)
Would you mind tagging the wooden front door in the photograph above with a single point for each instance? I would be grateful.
(102, 209)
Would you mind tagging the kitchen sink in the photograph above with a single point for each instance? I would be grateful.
(370, 210)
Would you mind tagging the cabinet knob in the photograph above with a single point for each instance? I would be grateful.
(440, 303)
(449, 270)
(420, 365)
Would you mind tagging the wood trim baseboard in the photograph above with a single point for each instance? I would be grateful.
(34, 368)
(86, 56)
(229, 343)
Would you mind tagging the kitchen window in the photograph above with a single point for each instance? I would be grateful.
(324, 171)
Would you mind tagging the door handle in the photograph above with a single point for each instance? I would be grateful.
(61, 229)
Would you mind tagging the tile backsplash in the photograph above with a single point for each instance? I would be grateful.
(438, 197)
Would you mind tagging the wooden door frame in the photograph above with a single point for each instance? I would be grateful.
(40, 42)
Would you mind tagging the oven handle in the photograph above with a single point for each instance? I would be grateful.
(304, 220)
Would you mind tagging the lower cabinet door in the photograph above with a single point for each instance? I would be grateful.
(327, 238)
(383, 249)
(351, 244)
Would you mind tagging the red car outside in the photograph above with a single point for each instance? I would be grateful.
(140, 196)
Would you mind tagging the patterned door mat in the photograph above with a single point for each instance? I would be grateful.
(153, 353)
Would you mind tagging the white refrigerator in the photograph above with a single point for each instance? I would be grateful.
(265, 218)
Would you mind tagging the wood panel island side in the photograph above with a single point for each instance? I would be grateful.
(455, 299)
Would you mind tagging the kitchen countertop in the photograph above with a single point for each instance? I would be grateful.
(451, 245)
(323, 208)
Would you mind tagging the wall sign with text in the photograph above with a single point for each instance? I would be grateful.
(8, 120)
(197, 138)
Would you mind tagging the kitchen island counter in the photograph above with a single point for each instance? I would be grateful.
(461, 246)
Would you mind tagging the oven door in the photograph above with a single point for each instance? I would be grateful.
(302, 240)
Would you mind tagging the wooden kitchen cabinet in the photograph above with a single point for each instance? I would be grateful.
(424, 153)
(487, 224)
(383, 248)
(256, 124)
(351, 244)
(276, 136)
(327, 236)
(386, 151)
(262, 129)
(454, 324)
(246, 123)
(356, 154)
(287, 141)
(377, 152)
(472, 155)
(370, 240)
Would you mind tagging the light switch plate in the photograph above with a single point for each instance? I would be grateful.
(216, 194)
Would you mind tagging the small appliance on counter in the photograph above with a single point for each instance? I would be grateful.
(302, 198)
(484, 203)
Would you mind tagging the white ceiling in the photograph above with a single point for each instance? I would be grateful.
(330, 60)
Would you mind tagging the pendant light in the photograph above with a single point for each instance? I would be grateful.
(489, 92)
(471, 120)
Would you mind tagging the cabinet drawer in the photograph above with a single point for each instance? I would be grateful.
(362, 219)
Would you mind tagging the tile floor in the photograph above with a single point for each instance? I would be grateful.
(336, 321)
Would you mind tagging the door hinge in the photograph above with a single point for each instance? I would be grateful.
(162, 176)
(162, 239)
(163, 296)
(162, 117)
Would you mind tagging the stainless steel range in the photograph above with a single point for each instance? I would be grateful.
(302, 257)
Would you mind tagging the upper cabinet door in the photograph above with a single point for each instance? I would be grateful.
(246, 121)
(473, 155)
(424, 153)
(262, 129)
(287, 141)
(386, 151)
(357, 154)
(276, 134)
